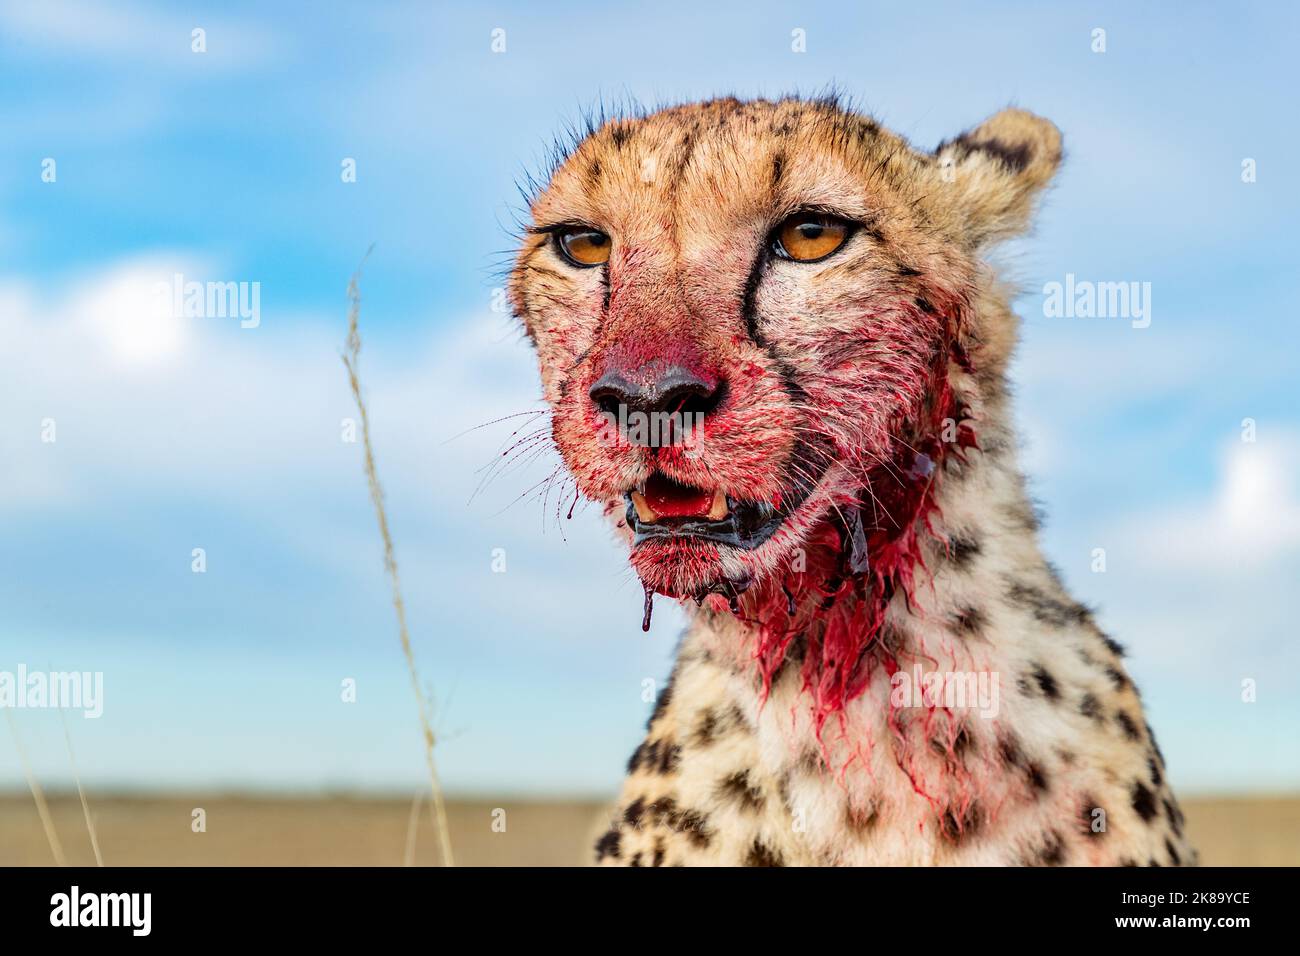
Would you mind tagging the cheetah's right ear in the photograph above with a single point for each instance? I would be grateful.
(997, 171)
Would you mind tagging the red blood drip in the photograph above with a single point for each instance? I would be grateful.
(649, 607)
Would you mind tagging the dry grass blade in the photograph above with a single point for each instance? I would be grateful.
(38, 795)
(351, 361)
(412, 828)
(81, 792)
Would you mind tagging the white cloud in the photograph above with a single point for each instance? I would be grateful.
(1252, 517)
(142, 399)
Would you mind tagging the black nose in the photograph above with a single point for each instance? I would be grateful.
(673, 389)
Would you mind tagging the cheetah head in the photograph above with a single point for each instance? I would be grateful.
(748, 318)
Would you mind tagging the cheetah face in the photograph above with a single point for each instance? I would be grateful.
(745, 314)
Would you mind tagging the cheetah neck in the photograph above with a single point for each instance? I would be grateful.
(881, 575)
(830, 616)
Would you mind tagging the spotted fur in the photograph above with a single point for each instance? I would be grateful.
(879, 376)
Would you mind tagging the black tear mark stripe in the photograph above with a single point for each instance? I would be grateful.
(747, 296)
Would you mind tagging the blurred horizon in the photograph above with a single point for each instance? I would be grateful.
(230, 166)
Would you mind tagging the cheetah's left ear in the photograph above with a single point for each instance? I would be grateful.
(997, 170)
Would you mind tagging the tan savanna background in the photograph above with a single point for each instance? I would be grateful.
(345, 831)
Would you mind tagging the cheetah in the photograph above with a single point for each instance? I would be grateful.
(881, 667)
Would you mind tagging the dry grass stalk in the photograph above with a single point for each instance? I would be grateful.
(351, 360)
(412, 827)
(85, 804)
(38, 795)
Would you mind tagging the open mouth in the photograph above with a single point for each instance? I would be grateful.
(663, 508)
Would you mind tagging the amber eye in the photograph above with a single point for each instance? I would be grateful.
(583, 246)
(809, 236)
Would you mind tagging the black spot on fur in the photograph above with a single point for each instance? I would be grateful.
(969, 621)
(738, 789)
(662, 701)
(634, 813)
(1046, 607)
(1046, 683)
(1037, 778)
(1144, 802)
(960, 743)
(1155, 746)
(664, 812)
(659, 853)
(1010, 752)
(907, 272)
(925, 306)
(1117, 677)
(962, 549)
(1156, 776)
(1174, 858)
(762, 855)
(619, 134)
(1114, 646)
(608, 845)
(959, 825)
(1175, 817)
(1090, 706)
(1127, 725)
(1052, 852)
(706, 730)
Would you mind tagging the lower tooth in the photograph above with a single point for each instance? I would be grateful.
(718, 510)
(643, 509)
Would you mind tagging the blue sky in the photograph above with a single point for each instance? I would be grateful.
(192, 433)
